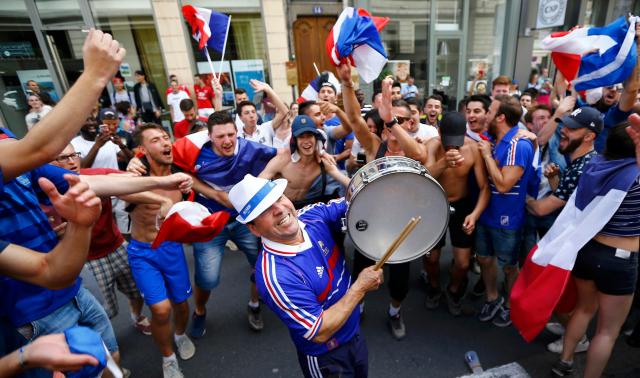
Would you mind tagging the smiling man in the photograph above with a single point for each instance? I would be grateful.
(302, 275)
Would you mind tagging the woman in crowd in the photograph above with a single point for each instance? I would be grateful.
(37, 110)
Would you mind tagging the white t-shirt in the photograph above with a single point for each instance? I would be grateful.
(425, 132)
(107, 156)
(34, 117)
(173, 100)
(264, 134)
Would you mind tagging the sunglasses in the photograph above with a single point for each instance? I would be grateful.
(402, 120)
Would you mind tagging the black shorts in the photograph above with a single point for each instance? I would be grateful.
(613, 275)
(459, 239)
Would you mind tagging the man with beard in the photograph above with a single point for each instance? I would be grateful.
(432, 109)
(312, 176)
(191, 117)
(450, 159)
(100, 148)
(499, 232)
(161, 274)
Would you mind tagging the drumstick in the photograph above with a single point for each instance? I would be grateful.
(408, 228)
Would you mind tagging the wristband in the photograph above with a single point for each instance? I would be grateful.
(390, 124)
(21, 361)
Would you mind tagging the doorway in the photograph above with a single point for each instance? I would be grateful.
(310, 34)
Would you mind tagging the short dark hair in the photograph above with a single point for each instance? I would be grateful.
(401, 104)
(528, 117)
(219, 118)
(511, 109)
(242, 104)
(374, 115)
(373, 96)
(239, 91)
(137, 135)
(531, 92)
(303, 106)
(540, 107)
(462, 104)
(415, 101)
(123, 107)
(436, 97)
(173, 81)
(186, 104)
(619, 144)
(141, 73)
(396, 83)
(485, 100)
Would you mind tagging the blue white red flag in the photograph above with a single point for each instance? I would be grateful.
(190, 222)
(310, 93)
(209, 28)
(356, 36)
(544, 283)
(596, 56)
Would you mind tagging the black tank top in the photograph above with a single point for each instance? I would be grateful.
(382, 150)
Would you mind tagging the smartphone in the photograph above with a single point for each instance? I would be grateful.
(104, 129)
(361, 158)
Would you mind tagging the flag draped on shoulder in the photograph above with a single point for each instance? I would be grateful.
(544, 282)
(209, 28)
(186, 150)
(310, 93)
(356, 36)
(189, 222)
(595, 57)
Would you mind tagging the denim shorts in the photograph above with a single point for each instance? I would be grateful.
(614, 272)
(83, 310)
(208, 255)
(499, 242)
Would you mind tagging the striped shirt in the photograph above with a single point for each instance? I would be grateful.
(626, 220)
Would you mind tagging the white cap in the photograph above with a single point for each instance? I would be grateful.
(253, 195)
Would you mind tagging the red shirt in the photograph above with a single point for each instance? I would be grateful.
(181, 129)
(105, 235)
(204, 96)
(181, 87)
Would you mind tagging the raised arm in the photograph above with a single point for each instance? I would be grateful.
(117, 185)
(102, 56)
(217, 90)
(217, 195)
(281, 108)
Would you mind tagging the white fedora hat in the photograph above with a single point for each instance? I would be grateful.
(253, 195)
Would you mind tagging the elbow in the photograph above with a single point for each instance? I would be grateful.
(321, 338)
(503, 189)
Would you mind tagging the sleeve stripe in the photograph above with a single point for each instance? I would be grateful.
(311, 333)
(275, 291)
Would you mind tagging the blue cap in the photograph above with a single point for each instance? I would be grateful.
(304, 124)
(107, 113)
(586, 116)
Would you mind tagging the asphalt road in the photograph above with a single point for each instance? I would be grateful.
(434, 346)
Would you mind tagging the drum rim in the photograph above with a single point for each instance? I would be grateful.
(425, 173)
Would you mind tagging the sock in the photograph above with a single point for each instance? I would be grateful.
(253, 304)
(178, 337)
(172, 357)
(393, 311)
(567, 362)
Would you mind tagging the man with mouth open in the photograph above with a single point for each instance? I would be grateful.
(302, 275)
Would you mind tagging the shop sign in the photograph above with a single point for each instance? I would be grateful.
(13, 50)
(244, 71)
(125, 69)
(551, 13)
(292, 72)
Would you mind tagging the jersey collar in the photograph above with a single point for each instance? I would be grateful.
(287, 250)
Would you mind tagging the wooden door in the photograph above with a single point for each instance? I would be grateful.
(310, 35)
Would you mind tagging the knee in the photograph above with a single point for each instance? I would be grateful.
(207, 279)
(485, 261)
(161, 312)
(461, 264)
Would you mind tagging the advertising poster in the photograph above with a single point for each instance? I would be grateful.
(244, 71)
(225, 79)
(399, 69)
(42, 77)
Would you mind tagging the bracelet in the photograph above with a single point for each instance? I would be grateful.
(21, 361)
(351, 84)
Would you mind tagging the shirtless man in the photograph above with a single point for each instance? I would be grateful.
(304, 165)
(450, 159)
(162, 274)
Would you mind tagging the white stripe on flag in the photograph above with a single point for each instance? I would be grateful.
(369, 62)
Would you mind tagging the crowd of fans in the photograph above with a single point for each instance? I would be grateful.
(522, 159)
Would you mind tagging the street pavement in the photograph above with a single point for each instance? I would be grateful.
(434, 346)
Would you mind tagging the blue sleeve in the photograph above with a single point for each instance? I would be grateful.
(615, 116)
(53, 174)
(289, 296)
(520, 154)
(331, 213)
(580, 102)
(3, 245)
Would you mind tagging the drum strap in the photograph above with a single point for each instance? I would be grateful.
(382, 150)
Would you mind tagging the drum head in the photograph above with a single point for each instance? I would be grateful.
(380, 210)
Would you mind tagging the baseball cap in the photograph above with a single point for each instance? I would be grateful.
(330, 85)
(453, 128)
(304, 124)
(107, 113)
(586, 116)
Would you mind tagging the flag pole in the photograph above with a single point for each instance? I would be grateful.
(224, 47)
(316, 67)
(206, 52)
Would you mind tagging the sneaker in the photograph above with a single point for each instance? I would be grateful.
(489, 309)
(556, 346)
(231, 245)
(562, 369)
(432, 300)
(126, 373)
(255, 318)
(198, 325)
(454, 305)
(475, 267)
(397, 326)
(503, 317)
(186, 349)
(170, 369)
(555, 328)
(478, 289)
(143, 325)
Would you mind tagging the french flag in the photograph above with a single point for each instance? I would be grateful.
(310, 93)
(544, 284)
(597, 56)
(189, 222)
(356, 36)
(209, 28)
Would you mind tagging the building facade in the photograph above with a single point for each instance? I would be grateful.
(443, 44)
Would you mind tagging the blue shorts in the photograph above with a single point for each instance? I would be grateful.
(499, 242)
(347, 360)
(159, 273)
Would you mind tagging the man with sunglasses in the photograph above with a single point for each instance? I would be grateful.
(395, 141)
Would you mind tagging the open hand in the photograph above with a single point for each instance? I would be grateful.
(78, 205)
(52, 352)
(136, 167)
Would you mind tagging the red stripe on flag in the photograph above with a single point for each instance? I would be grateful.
(568, 64)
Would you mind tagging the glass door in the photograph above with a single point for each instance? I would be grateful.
(447, 68)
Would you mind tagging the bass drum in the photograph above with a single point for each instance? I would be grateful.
(383, 196)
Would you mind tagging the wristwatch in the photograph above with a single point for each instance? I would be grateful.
(390, 124)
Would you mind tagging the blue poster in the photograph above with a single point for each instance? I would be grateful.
(244, 71)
